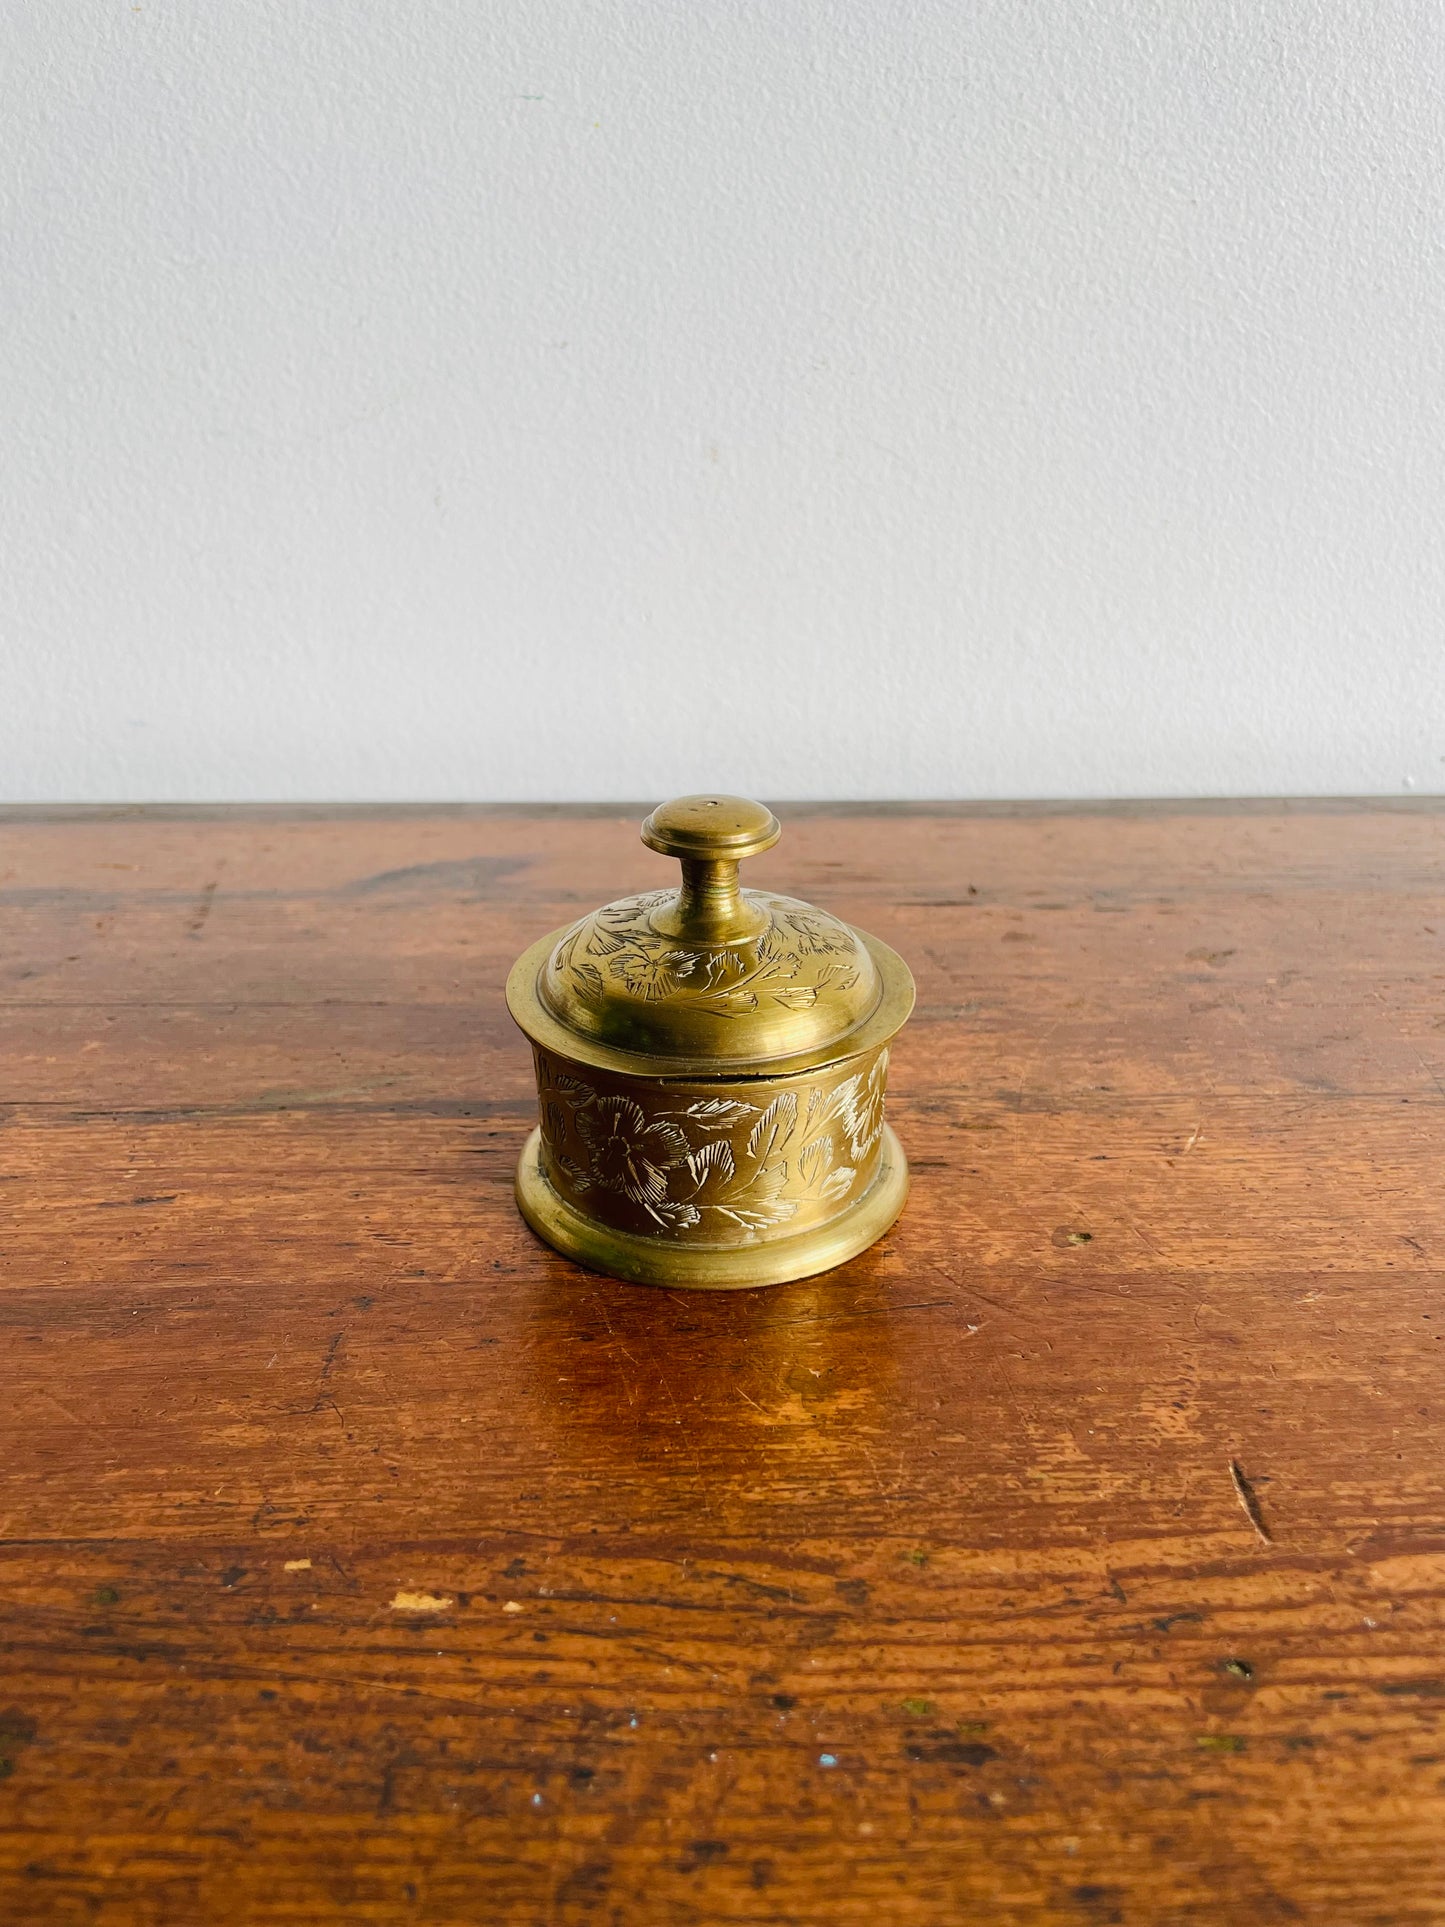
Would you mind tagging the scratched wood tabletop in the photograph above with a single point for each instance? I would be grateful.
(1077, 1555)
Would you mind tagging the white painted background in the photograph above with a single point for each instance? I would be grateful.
(602, 398)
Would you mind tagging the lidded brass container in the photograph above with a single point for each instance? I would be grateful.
(711, 1064)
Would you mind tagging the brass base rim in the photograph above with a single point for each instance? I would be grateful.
(656, 1261)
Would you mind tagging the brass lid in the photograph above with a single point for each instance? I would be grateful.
(709, 976)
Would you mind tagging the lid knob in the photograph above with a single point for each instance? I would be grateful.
(710, 836)
(711, 827)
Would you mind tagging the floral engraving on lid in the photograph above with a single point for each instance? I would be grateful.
(618, 944)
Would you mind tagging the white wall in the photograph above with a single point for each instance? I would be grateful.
(544, 398)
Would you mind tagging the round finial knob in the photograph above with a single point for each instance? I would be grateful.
(711, 828)
(710, 835)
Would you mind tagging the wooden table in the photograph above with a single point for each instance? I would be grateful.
(1077, 1556)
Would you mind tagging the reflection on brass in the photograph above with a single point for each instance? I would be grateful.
(711, 1066)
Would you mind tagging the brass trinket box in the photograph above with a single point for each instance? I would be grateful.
(711, 1064)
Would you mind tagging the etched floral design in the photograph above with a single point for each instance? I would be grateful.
(720, 1163)
(628, 1154)
(618, 943)
(858, 1105)
(648, 973)
(812, 934)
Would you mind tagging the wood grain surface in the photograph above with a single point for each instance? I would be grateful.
(1076, 1556)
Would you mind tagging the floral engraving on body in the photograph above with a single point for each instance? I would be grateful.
(619, 943)
(718, 1163)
